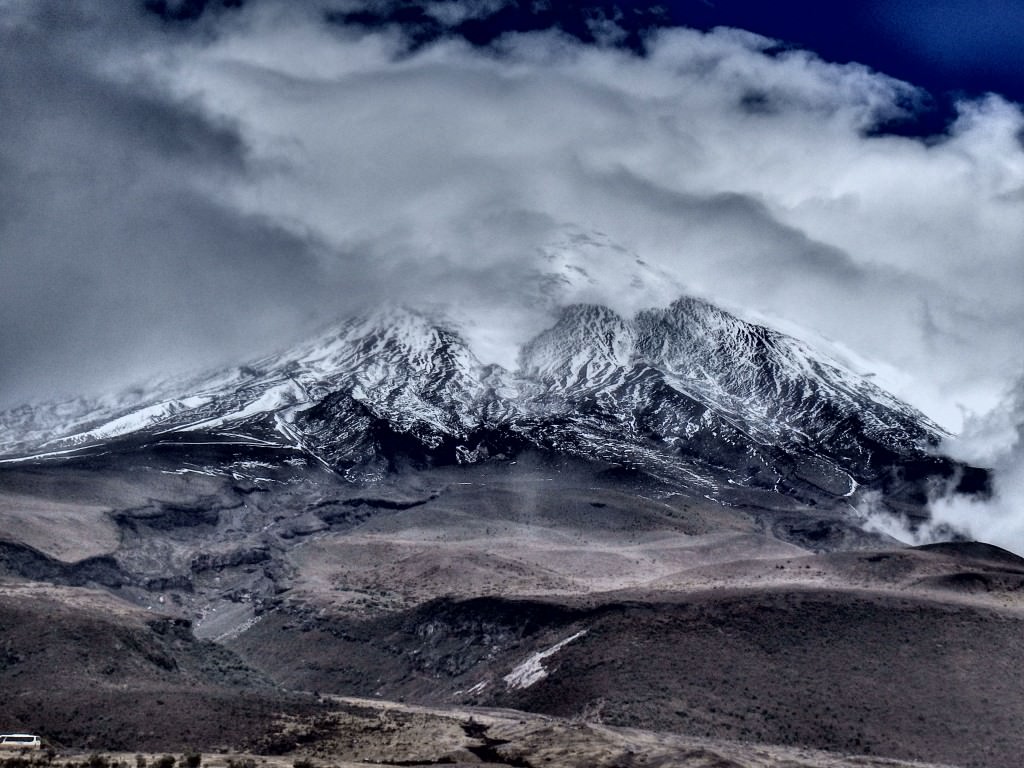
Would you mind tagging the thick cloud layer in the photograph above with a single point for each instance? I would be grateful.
(179, 195)
(746, 175)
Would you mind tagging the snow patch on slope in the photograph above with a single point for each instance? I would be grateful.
(140, 419)
(273, 399)
(532, 670)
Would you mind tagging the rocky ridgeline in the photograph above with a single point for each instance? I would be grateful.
(689, 394)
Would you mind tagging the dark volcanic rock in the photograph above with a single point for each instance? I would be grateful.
(28, 563)
(844, 671)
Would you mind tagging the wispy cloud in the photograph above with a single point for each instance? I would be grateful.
(994, 439)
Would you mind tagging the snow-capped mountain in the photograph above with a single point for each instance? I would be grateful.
(689, 394)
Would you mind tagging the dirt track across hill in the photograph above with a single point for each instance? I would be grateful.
(357, 732)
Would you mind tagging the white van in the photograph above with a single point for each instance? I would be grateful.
(19, 741)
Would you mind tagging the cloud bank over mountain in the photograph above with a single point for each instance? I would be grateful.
(178, 195)
(994, 439)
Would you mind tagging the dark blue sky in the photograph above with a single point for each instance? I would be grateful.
(949, 47)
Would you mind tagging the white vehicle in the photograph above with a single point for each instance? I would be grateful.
(19, 741)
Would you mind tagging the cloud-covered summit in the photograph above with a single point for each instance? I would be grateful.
(178, 194)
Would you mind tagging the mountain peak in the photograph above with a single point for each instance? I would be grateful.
(586, 342)
(690, 393)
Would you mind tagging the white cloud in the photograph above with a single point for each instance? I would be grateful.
(740, 173)
(993, 439)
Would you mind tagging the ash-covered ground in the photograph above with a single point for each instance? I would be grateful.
(151, 606)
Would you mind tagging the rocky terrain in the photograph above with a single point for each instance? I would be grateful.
(352, 732)
(645, 546)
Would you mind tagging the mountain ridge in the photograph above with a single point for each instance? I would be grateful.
(690, 394)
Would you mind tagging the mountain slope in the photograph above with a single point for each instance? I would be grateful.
(689, 394)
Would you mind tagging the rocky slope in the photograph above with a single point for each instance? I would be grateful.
(688, 394)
